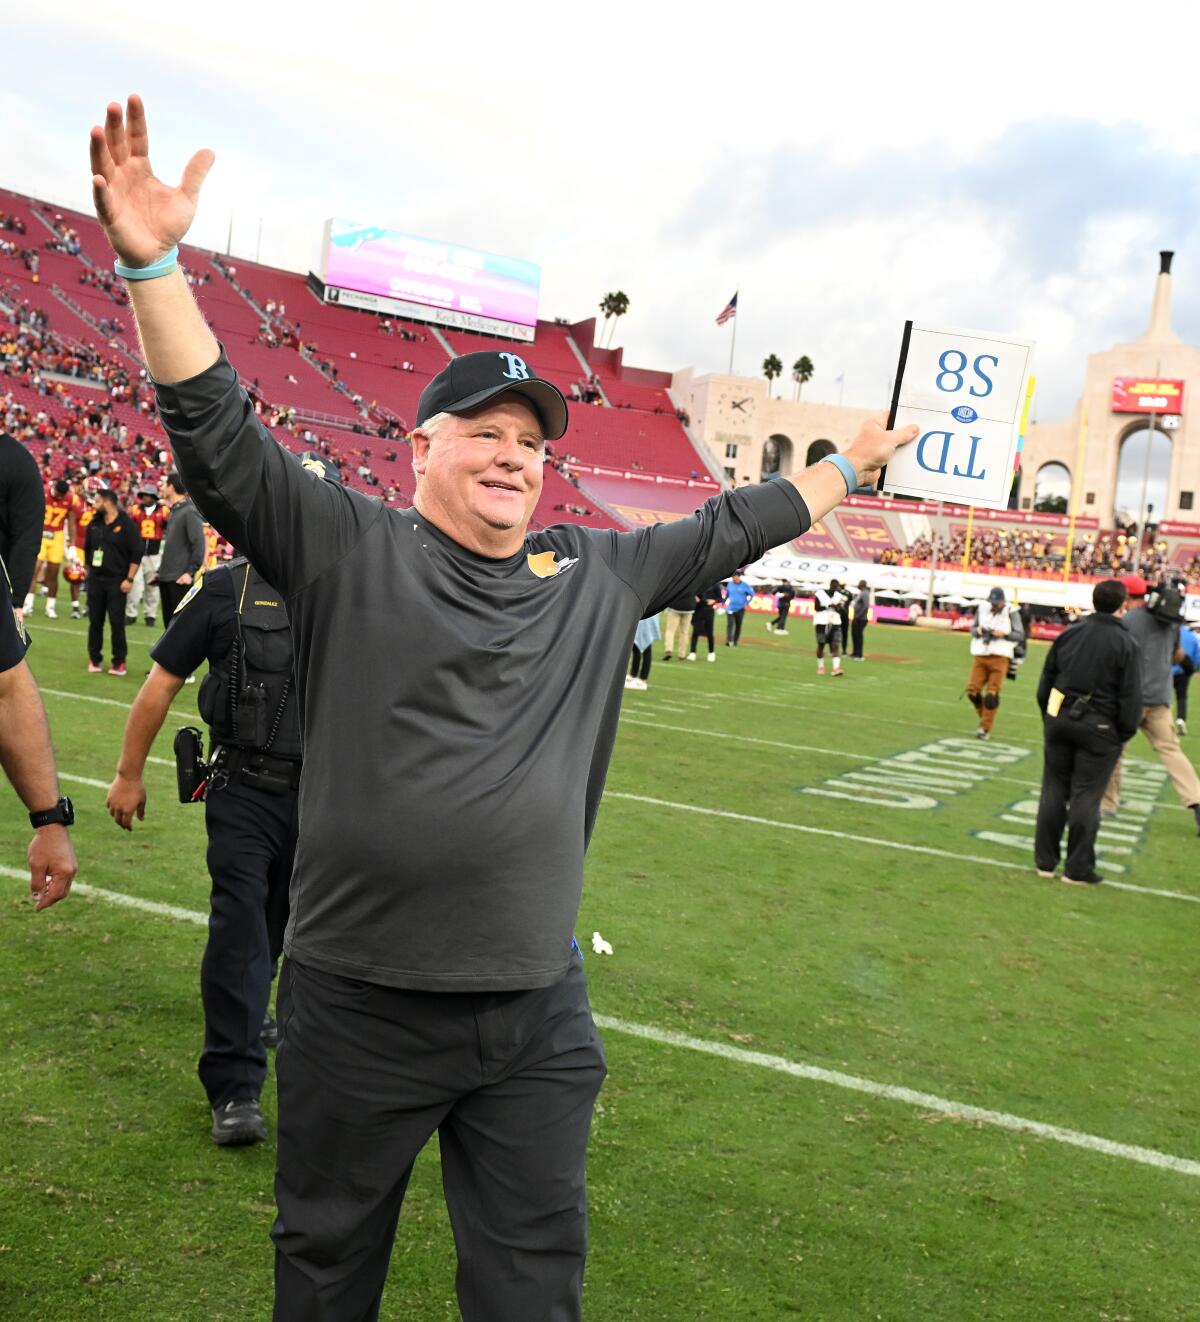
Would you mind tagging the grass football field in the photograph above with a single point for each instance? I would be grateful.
(809, 992)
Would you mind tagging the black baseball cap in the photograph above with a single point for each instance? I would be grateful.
(474, 378)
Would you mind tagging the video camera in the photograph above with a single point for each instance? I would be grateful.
(1165, 602)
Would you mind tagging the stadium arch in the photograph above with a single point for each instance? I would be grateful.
(776, 455)
(1052, 488)
(1140, 482)
(817, 451)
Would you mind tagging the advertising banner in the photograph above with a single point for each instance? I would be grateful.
(818, 541)
(1141, 394)
(445, 276)
(868, 534)
(965, 391)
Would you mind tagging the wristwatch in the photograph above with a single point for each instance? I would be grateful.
(62, 814)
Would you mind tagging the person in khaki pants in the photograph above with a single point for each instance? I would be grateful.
(991, 652)
(1158, 639)
(679, 621)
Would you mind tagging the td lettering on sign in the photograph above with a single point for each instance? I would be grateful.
(965, 391)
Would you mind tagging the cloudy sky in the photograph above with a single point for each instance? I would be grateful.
(994, 167)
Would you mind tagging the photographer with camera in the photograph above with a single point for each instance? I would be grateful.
(1154, 620)
(238, 623)
(1090, 696)
(992, 647)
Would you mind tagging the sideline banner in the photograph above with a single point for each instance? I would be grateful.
(965, 391)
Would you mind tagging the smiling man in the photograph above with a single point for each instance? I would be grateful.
(459, 681)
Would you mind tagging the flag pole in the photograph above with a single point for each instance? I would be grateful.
(732, 342)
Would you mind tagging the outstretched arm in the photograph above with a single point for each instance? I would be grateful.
(144, 219)
(127, 793)
(822, 485)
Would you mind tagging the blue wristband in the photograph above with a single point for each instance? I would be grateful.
(845, 467)
(164, 266)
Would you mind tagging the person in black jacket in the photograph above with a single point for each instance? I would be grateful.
(22, 506)
(783, 600)
(112, 553)
(183, 548)
(1090, 695)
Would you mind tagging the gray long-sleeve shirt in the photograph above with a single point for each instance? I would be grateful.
(1157, 640)
(183, 550)
(459, 712)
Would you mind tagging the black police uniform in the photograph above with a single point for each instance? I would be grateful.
(1097, 666)
(236, 621)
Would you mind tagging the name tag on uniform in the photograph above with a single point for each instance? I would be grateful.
(97, 558)
(1054, 702)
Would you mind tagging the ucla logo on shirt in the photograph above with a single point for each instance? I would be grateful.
(544, 565)
(517, 371)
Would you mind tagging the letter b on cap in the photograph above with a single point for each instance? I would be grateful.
(517, 371)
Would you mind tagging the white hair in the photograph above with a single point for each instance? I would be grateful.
(430, 425)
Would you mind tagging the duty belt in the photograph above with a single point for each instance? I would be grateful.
(263, 771)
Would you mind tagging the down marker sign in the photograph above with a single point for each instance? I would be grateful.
(965, 391)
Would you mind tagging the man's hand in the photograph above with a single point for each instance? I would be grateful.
(874, 446)
(142, 217)
(52, 865)
(127, 799)
(126, 585)
(184, 579)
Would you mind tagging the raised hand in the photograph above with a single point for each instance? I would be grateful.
(142, 217)
(874, 446)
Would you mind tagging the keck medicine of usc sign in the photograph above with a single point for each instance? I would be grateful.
(1137, 394)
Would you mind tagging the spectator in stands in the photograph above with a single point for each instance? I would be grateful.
(991, 650)
(862, 615)
(784, 597)
(703, 616)
(738, 595)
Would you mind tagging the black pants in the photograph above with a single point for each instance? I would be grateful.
(780, 621)
(170, 595)
(733, 626)
(702, 627)
(251, 840)
(1181, 688)
(367, 1074)
(639, 663)
(857, 629)
(1079, 757)
(106, 599)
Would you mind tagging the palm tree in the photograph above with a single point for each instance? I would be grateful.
(606, 306)
(802, 372)
(618, 307)
(772, 368)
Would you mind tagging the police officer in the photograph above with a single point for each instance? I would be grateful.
(238, 623)
(1090, 695)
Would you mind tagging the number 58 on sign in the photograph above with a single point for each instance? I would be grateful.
(965, 391)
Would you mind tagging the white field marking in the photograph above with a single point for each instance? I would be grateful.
(83, 780)
(111, 702)
(892, 1093)
(116, 897)
(1005, 863)
(809, 748)
(81, 634)
(779, 1064)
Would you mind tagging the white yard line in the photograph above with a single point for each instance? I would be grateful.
(36, 627)
(1005, 863)
(779, 1064)
(113, 702)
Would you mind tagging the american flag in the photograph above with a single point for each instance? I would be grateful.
(728, 312)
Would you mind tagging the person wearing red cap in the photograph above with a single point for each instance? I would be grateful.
(1154, 620)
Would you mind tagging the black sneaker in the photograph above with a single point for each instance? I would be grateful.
(1092, 879)
(270, 1033)
(238, 1124)
(1195, 807)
